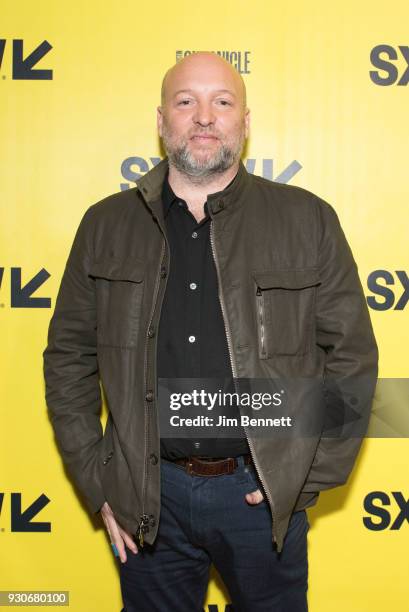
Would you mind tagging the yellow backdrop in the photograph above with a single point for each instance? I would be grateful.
(79, 84)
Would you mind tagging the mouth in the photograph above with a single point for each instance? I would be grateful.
(201, 137)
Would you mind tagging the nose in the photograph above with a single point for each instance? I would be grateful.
(204, 114)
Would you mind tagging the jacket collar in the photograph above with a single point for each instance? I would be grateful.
(232, 196)
(169, 197)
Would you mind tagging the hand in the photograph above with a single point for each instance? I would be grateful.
(255, 497)
(117, 535)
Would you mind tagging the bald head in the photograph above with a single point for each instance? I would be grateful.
(207, 67)
(203, 119)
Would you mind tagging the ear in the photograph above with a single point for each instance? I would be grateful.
(159, 119)
(247, 121)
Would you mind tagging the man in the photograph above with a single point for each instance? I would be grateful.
(204, 271)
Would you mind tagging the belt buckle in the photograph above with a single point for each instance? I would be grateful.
(189, 467)
(229, 464)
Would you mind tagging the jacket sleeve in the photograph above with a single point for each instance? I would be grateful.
(345, 336)
(73, 394)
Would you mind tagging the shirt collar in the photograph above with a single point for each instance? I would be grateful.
(169, 197)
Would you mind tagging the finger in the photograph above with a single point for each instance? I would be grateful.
(255, 497)
(116, 538)
(106, 510)
(106, 525)
(128, 540)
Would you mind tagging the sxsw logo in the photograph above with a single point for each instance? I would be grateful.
(22, 520)
(387, 65)
(133, 168)
(386, 298)
(393, 518)
(21, 295)
(240, 60)
(23, 67)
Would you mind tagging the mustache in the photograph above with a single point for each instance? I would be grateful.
(212, 134)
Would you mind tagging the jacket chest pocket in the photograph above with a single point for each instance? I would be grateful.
(284, 303)
(119, 293)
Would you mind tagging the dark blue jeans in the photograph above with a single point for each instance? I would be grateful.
(207, 520)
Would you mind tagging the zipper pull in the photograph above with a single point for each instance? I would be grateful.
(140, 537)
(258, 292)
(142, 528)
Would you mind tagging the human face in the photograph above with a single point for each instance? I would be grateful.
(203, 122)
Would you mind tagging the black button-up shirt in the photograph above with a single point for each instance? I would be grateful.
(192, 338)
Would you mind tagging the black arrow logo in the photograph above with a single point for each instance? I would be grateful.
(23, 68)
(1, 275)
(2, 46)
(21, 296)
(1, 500)
(21, 521)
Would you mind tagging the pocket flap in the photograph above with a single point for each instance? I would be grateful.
(293, 278)
(129, 269)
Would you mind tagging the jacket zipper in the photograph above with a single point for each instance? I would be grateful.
(144, 518)
(234, 371)
(260, 310)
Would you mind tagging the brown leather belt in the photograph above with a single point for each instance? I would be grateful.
(210, 466)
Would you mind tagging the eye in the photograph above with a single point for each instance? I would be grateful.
(225, 102)
(183, 102)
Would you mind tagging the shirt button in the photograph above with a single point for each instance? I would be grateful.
(193, 286)
(192, 339)
(194, 235)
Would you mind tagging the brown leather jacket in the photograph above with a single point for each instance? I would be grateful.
(293, 307)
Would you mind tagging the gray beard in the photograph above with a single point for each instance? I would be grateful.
(184, 161)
